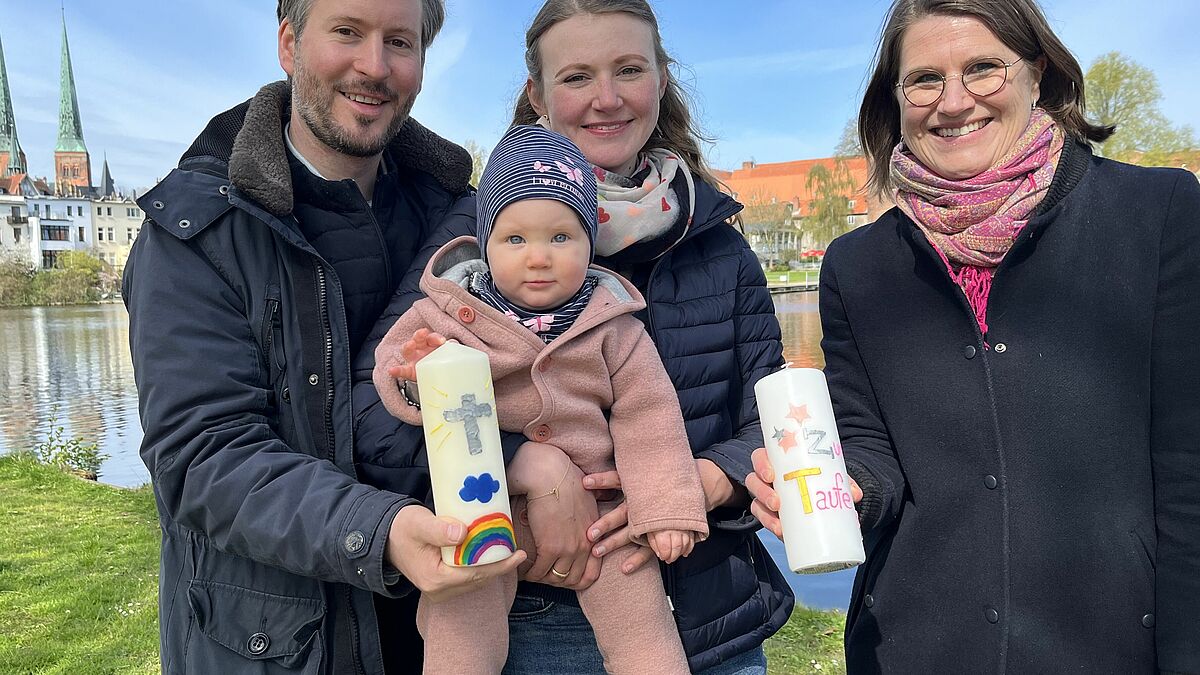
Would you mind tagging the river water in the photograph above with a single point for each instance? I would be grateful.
(72, 365)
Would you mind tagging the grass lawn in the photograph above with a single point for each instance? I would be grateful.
(811, 276)
(78, 582)
(78, 574)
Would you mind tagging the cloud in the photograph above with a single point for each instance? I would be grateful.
(481, 487)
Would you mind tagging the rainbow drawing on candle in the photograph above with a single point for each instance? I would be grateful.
(487, 532)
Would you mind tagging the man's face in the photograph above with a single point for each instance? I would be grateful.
(356, 70)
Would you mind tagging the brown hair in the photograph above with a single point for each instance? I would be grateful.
(1020, 25)
(433, 15)
(675, 129)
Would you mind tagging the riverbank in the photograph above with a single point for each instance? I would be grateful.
(78, 581)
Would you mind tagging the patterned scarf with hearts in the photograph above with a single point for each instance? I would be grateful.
(643, 207)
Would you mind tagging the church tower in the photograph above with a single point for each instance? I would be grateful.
(72, 165)
(12, 158)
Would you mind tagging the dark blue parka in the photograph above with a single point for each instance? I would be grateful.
(240, 336)
(714, 325)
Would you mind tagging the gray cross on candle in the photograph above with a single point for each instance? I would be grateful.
(468, 414)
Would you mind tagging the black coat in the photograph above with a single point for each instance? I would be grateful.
(1033, 501)
(272, 550)
(714, 325)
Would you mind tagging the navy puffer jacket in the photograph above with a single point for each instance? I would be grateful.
(712, 320)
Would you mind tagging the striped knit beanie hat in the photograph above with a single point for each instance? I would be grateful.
(532, 162)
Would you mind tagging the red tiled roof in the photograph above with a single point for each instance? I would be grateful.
(788, 182)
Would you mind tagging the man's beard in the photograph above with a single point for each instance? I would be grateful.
(314, 101)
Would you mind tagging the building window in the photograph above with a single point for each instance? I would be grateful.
(16, 235)
(98, 211)
(99, 234)
(68, 211)
(132, 213)
(37, 209)
(110, 235)
(80, 235)
(109, 210)
(49, 260)
(129, 235)
(56, 233)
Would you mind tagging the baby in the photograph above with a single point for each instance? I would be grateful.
(571, 366)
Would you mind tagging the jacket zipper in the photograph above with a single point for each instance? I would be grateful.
(268, 334)
(323, 308)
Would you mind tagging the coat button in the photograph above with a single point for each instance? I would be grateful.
(1001, 347)
(992, 615)
(466, 314)
(287, 395)
(544, 365)
(542, 433)
(969, 351)
(990, 482)
(354, 542)
(258, 643)
(314, 380)
(869, 600)
(1148, 621)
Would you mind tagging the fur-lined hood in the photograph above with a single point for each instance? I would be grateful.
(249, 138)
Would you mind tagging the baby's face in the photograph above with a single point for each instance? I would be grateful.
(538, 253)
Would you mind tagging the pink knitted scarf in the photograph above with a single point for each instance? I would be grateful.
(973, 223)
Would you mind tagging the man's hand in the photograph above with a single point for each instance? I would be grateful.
(414, 548)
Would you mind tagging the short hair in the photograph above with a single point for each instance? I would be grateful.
(1019, 25)
(675, 130)
(433, 15)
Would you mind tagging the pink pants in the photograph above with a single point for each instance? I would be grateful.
(634, 628)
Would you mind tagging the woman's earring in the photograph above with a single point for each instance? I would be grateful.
(545, 118)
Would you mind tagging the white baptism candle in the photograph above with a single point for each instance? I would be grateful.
(820, 524)
(466, 465)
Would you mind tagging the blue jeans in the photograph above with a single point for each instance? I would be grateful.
(546, 638)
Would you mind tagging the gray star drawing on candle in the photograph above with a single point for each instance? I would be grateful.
(468, 414)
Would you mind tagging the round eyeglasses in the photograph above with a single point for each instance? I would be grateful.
(981, 78)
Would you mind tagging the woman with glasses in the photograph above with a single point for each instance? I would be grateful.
(1012, 357)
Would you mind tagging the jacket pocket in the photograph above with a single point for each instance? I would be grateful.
(242, 630)
(271, 336)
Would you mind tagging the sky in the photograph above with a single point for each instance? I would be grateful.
(772, 80)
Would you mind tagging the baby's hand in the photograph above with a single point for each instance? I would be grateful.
(671, 545)
(422, 343)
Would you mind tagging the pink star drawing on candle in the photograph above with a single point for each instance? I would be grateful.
(787, 440)
(798, 413)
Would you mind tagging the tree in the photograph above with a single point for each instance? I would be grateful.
(1126, 94)
(850, 145)
(767, 224)
(479, 157)
(829, 208)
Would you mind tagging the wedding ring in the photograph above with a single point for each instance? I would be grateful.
(560, 575)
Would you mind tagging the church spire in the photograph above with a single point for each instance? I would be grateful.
(106, 187)
(70, 131)
(12, 159)
(72, 165)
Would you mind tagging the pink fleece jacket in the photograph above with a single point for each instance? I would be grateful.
(558, 393)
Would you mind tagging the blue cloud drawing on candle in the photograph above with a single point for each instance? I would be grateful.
(481, 487)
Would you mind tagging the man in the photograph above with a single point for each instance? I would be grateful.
(269, 254)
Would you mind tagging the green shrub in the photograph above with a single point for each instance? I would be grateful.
(71, 454)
